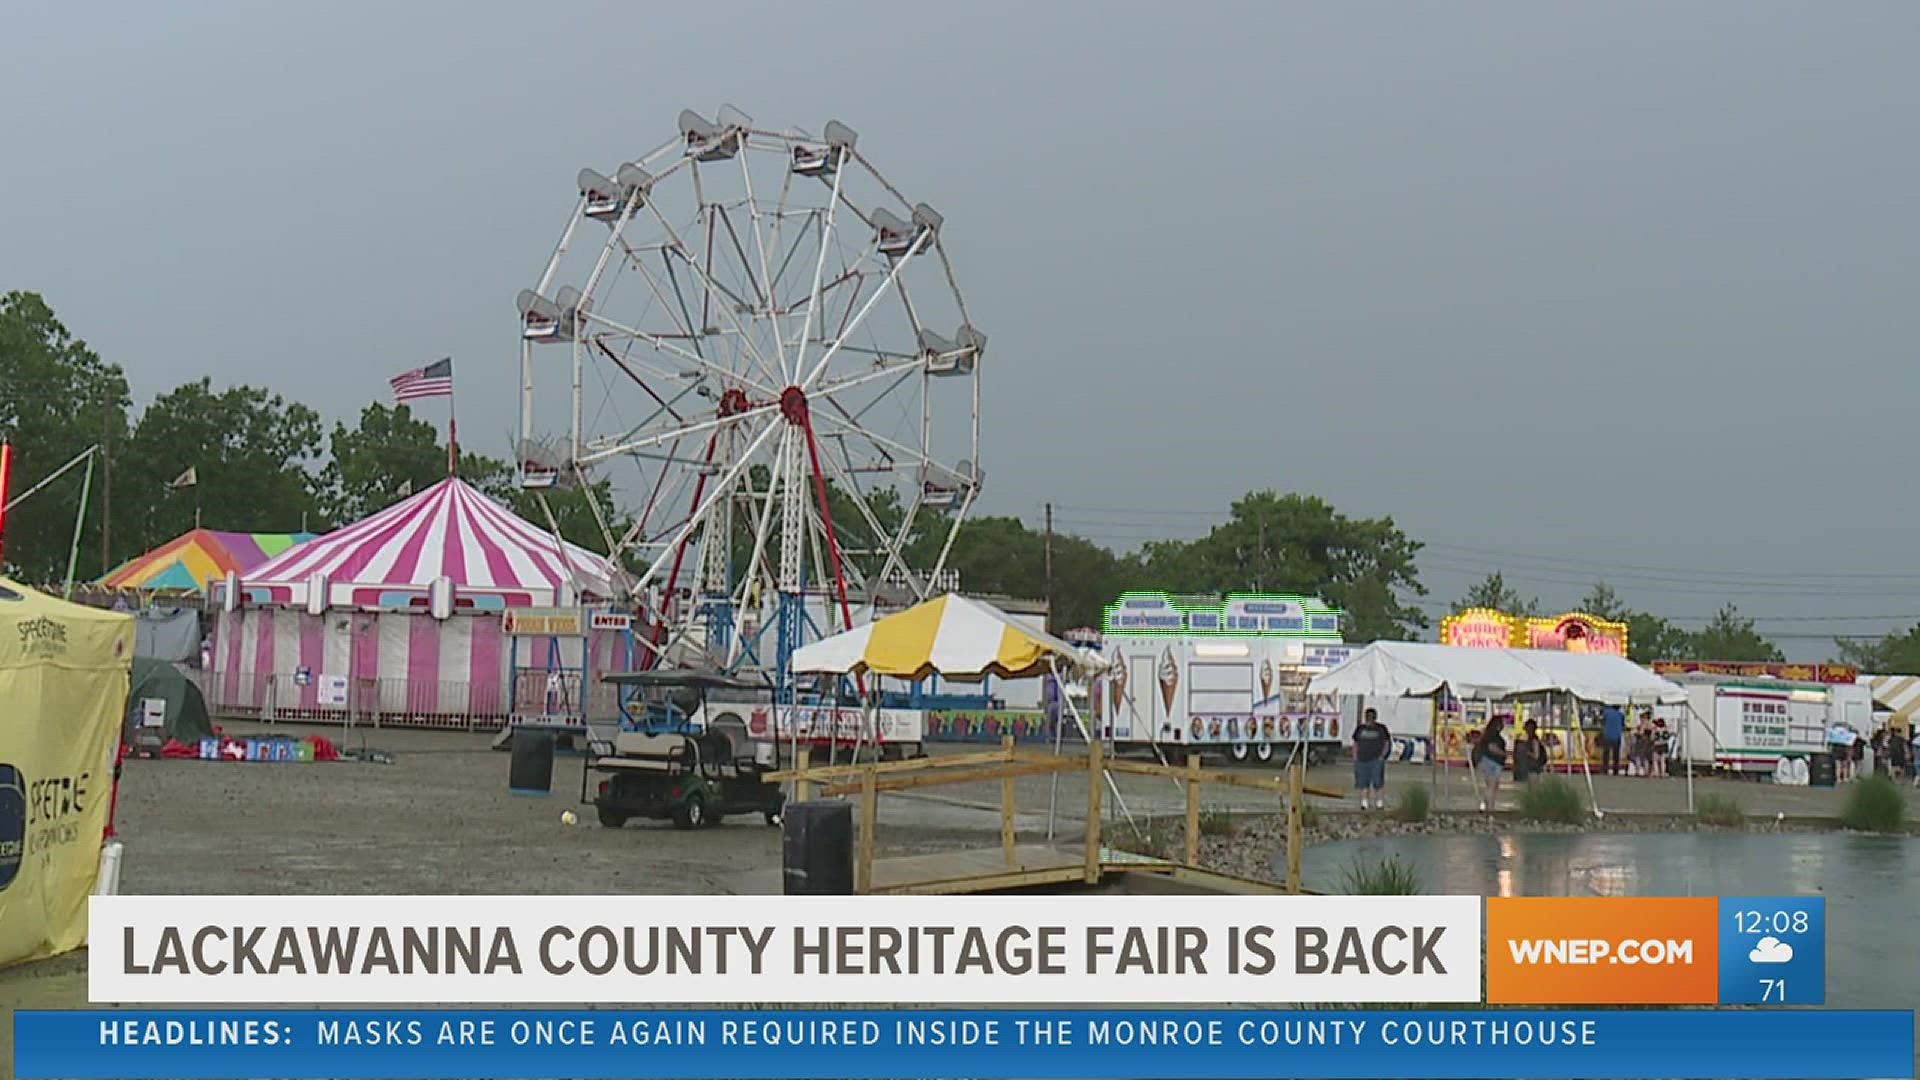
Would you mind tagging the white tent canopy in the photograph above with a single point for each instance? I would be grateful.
(1417, 669)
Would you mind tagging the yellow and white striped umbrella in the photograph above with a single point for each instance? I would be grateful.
(950, 636)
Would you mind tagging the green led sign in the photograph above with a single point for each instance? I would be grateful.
(1238, 615)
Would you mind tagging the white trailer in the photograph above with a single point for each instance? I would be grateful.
(1229, 677)
(1751, 725)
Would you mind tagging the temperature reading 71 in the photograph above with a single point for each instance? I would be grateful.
(1773, 990)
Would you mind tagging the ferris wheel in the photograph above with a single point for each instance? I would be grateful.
(762, 343)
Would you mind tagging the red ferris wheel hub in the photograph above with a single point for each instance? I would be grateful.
(734, 402)
(793, 405)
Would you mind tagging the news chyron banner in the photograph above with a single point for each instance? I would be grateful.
(786, 950)
(986, 987)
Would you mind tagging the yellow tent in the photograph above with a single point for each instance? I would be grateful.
(63, 694)
(951, 636)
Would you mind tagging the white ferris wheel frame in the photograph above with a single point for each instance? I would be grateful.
(758, 381)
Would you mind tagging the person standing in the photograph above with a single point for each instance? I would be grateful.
(1613, 728)
(1371, 741)
(1490, 759)
(1913, 753)
(1529, 753)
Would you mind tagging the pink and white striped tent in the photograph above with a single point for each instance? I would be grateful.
(492, 558)
(404, 609)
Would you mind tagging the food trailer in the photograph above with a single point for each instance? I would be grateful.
(1755, 717)
(1226, 675)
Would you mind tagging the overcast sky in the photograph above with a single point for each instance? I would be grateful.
(1625, 289)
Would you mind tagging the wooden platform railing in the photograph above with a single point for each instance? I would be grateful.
(1008, 764)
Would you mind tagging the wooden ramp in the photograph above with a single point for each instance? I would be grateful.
(986, 870)
(1014, 865)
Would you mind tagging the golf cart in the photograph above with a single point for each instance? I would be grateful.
(676, 759)
(693, 779)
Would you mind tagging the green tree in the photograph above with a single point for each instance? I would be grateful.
(578, 518)
(999, 555)
(255, 456)
(390, 451)
(1895, 654)
(1731, 636)
(1602, 602)
(1650, 638)
(57, 398)
(1493, 592)
(1300, 544)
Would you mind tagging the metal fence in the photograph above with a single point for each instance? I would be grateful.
(400, 703)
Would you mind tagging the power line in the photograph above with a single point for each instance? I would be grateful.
(1129, 521)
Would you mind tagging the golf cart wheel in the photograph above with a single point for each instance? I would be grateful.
(692, 813)
(611, 818)
(1239, 752)
(1263, 752)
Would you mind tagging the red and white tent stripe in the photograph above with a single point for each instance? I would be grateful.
(450, 530)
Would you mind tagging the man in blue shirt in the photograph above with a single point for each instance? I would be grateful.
(1613, 730)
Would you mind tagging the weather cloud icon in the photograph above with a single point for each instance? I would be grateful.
(1771, 950)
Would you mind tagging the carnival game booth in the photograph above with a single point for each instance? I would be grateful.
(1226, 675)
(442, 610)
(63, 694)
(953, 637)
(1499, 679)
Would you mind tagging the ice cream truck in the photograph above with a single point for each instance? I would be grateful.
(1226, 675)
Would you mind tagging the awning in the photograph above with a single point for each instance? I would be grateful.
(1417, 669)
(950, 636)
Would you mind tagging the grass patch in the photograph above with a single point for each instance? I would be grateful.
(1551, 798)
(1161, 839)
(1390, 876)
(1414, 803)
(1874, 804)
(1719, 810)
(1216, 823)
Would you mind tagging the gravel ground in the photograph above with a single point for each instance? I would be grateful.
(439, 819)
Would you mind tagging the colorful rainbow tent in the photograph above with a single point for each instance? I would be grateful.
(187, 563)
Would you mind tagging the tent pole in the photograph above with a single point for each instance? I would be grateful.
(1059, 736)
(1119, 800)
(79, 519)
(1687, 744)
(1586, 760)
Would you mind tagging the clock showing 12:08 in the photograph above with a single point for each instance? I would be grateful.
(1773, 950)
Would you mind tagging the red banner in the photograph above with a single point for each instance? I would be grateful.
(1748, 669)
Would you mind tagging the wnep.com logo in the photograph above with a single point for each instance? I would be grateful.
(13, 823)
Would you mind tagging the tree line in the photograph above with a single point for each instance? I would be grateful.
(265, 464)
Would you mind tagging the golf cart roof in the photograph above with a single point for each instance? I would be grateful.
(703, 680)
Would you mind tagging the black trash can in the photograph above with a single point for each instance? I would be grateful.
(531, 772)
(1820, 770)
(817, 848)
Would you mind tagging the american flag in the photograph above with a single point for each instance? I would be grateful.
(434, 380)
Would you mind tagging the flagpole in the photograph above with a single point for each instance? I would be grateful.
(453, 431)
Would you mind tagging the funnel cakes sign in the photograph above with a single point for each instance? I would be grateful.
(1483, 628)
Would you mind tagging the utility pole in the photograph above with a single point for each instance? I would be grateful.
(106, 487)
(1260, 565)
(1049, 571)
